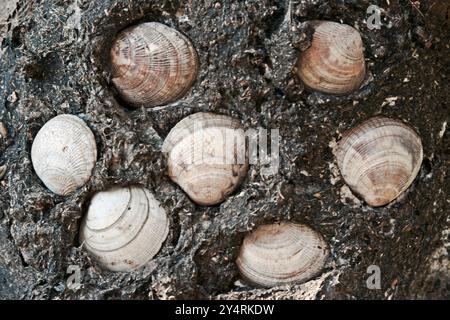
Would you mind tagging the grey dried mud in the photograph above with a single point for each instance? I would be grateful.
(54, 59)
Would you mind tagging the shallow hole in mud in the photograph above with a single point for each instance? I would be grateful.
(102, 49)
(113, 294)
(44, 68)
(18, 35)
(427, 166)
(217, 270)
(274, 21)
(34, 71)
(175, 229)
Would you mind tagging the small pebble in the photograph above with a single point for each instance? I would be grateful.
(3, 131)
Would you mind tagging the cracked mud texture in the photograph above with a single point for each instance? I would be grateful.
(54, 59)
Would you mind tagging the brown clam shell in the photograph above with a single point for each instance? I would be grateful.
(206, 156)
(379, 159)
(153, 64)
(334, 63)
(282, 253)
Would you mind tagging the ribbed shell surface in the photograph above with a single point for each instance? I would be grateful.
(334, 63)
(379, 159)
(124, 228)
(278, 254)
(207, 156)
(153, 64)
(64, 153)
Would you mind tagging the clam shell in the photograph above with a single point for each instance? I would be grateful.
(202, 158)
(64, 153)
(124, 228)
(278, 254)
(379, 159)
(152, 64)
(334, 63)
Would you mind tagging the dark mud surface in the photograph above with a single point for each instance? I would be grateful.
(55, 60)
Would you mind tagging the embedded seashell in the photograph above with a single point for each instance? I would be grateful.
(206, 156)
(152, 64)
(124, 228)
(334, 63)
(379, 159)
(64, 153)
(283, 253)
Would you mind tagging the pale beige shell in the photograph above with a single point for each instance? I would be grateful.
(334, 63)
(152, 64)
(203, 158)
(278, 254)
(124, 228)
(379, 159)
(64, 153)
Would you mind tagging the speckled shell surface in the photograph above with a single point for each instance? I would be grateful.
(334, 63)
(281, 253)
(124, 228)
(152, 64)
(64, 153)
(379, 159)
(201, 160)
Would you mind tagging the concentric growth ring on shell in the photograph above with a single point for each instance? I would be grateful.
(334, 63)
(206, 156)
(379, 159)
(124, 228)
(281, 253)
(153, 64)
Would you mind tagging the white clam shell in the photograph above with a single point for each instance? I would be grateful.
(64, 153)
(206, 156)
(283, 253)
(124, 228)
(379, 159)
(334, 63)
(153, 64)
